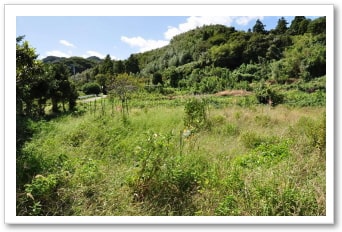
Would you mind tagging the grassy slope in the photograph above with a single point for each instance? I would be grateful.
(94, 165)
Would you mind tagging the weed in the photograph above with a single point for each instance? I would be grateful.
(250, 162)
(162, 179)
(228, 207)
(252, 139)
(264, 155)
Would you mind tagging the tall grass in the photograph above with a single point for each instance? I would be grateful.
(251, 160)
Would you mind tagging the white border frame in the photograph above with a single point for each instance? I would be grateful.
(12, 11)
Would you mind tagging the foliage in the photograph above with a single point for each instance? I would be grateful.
(163, 180)
(102, 80)
(196, 114)
(28, 72)
(264, 154)
(157, 79)
(88, 165)
(259, 27)
(122, 86)
(267, 95)
(36, 83)
(106, 67)
(91, 88)
(173, 156)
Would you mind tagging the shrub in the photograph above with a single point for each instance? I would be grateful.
(196, 114)
(228, 207)
(267, 95)
(91, 88)
(252, 139)
(264, 155)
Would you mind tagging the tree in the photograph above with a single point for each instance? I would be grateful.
(72, 96)
(256, 47)
(299, 25)
(119, 67)
(259, 27)
(107, 66)
(29, 71)
(281, 27)
(132, 65)
(317, 26)
(102, 81)
(157, 78)
(173, 76)
(61, 89)
(122, 86)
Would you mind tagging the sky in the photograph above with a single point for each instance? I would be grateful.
(118, 36)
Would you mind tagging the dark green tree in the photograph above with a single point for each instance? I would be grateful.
(256, 47)
(259, 27)
(299, 25)
(102, 80)
(132, 65)
(119, 67)
(157, 79)
(173, 76)
(61, 85)
(317, 26)
(29, 72)
(281, 27)
(107, 66)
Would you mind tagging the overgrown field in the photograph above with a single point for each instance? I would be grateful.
(183, 156)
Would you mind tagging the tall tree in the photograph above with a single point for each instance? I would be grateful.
(62, 89)
(259, 27)
(299, 25)
(317, 26)
(28, 71)
(281, 27)
(132, 65)
(102, 80)
(107, 66)
(119, 67)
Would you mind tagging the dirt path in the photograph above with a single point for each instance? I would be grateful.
(92, 98)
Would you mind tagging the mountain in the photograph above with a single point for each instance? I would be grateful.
(95, 59)
(77, 64)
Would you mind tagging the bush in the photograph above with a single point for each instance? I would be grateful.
(91, 88)
(252, 140)
(267, 95)
(264, 155)
(196, 114)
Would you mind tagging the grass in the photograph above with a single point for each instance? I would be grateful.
(250, 160)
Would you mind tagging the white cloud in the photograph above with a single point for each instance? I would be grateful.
(66, 43)
(144, 44)
(246, 19)
(58, 53)
(191, 23)
(197, 21)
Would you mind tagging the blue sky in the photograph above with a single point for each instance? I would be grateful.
(118, 36)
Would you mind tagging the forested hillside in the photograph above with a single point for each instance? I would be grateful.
(213, 58)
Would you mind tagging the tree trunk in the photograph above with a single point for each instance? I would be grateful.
(54, 105)
(20, 107)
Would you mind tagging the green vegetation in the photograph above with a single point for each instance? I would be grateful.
(165, 140)
(251, 161)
